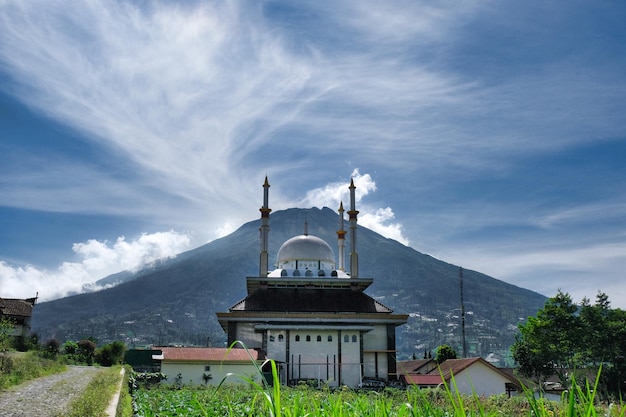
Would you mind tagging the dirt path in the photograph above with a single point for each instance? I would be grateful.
(47, 396)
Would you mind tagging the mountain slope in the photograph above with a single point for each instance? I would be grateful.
(176, 301)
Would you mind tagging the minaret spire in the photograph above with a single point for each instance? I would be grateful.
(352, 215)
(265, 230)
(341, 239)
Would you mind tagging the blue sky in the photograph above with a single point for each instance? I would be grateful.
(488, 134)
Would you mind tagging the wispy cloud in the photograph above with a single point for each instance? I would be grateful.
(184, 107)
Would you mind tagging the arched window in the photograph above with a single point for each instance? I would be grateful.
(321, 273)
(319, 338)
(353, 338)
(280, 337)
(297, 338)
(330, 338)
(283, 273)
(296, 272)
(333, 273)
(308, 337)
(308, 273)
(346, 338)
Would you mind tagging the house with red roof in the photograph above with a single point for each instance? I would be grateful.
(467, 376)
(208, 366)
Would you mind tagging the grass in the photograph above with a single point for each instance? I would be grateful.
(18, 367)
(94, 401)
(272, 400)
(277, 401)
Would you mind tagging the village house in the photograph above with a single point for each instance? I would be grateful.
(207, 366)
(19, 312)
(467, 376)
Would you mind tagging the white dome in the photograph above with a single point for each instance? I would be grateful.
(305, 247)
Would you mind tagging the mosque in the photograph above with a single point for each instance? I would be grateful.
(312, 316)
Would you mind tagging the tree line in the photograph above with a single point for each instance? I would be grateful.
(570, 340)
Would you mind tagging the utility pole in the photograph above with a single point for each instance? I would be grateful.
(462, 315)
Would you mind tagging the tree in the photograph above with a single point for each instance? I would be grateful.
(86, 351)
(111, 354)
(549, 343)
(565, 338)
(51, 349)
(443, 353)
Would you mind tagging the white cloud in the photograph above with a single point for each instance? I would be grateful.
(376, 219)
(379, 221)
(98, 259)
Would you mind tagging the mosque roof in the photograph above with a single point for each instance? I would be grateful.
(305, 247)
(294, 300)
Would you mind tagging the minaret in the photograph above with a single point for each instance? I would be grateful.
(352, 213)
(341, 239)
(265, 230)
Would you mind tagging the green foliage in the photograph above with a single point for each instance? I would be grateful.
(6, 331)
(413, 402)
(97, 396)
(125, 403)
(144, 380)
(70, 347)
(86, 351)
(111, 354)
(17, 368)
(443, 353)
(565, 339)
(51, 349)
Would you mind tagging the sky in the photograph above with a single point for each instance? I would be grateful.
(487, 134)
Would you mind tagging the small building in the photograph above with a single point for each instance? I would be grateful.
(208, 366)
(467, 376)
(19, 312)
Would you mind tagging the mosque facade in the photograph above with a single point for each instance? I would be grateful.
(312, 316)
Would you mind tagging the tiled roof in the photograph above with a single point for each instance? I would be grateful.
(17, 307)
(415, 365)
(208, 354)
(449, 368)
(456, 366)
(295, 300)
(422, 380)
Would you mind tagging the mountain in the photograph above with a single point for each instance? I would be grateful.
(175, 302)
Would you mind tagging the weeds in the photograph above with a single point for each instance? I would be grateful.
(16, 368)
(97, 396)
(270, 399)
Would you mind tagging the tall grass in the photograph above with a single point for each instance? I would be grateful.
(94, 401)
(16, 368)
(272, 400)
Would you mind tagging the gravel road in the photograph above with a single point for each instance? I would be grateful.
(47, 396)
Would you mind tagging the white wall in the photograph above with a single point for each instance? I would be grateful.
(313, 359)
(192, 372)
(375, 340)
(480, 379)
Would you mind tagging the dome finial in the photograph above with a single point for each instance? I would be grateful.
(306, 228)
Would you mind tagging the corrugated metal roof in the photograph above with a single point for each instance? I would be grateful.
(208, 354)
